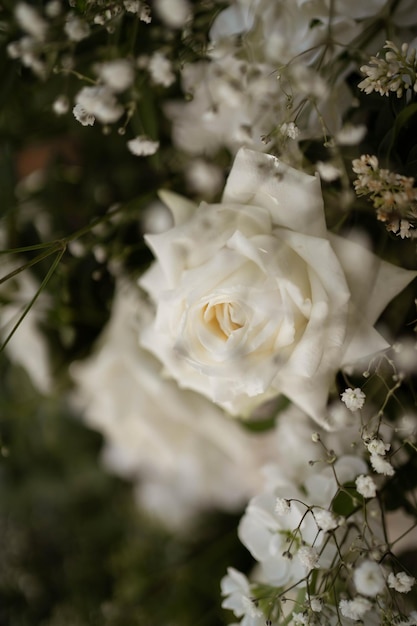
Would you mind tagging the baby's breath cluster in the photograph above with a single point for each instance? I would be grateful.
(323, 553)
(393, 195)
(396, 73)
(106, 84)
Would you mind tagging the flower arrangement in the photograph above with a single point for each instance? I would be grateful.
(208, 251)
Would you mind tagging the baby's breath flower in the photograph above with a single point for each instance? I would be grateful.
(325, 520)
(61, 105)
(381, 465)
(99, 102)
(377, 446)
(289, 129)
(160, 69)
(368, 579)
(308, 557)
(118, 74)
(327, 171)
(365, 486)
(354, 399)
(350, 135)
(53, 8)
(76, 28)
(174, 13)
(142, 146)
(132, 6)
(82, 116)
(300, 618)
(401, 582)
(282, 506)
(316, 605)
(355, 609)
(30, 21)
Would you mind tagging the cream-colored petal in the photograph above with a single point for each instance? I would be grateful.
(181, 208)
(293, 198)
(373, 282)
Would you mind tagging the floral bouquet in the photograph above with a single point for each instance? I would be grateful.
(208, 252)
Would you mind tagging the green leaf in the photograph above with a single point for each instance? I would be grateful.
(347, 500)
(389, 142)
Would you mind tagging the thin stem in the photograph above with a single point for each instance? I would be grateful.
(35, 297)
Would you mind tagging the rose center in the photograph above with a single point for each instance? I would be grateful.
(223, 318)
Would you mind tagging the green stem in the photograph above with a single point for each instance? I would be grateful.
(35, 297)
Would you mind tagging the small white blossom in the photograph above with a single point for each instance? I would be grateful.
(204, 177)
(354, 399)
(300, 618)
(381, 465)
(377, 446)
(142, 146)
(145, 14)
(53, 8)
(76, 28)
(308, 557)
(30, 21)
(60, 105)
(160, 69)
(174, 13)
(368, 579)
(132, 6)
(351, 135)
(365, 486)
(325, 520)
(100, 102)
(354, 609)
(316, 605)
(82, 116)
(327, 171)
(117, 74)
(401, 582)
(282, 506)
(236, 591)
(289, 130)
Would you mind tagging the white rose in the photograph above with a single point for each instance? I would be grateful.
(182, 452)
(255, 297)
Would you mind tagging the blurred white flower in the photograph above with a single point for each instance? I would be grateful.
(368, 578)
(76, 28)
(236, 591)
(325, 519)
(182, 451)
(61, 105)
(174, 13)
(160, 69)
(355, 609)
(309, 558)
(118, 74)
(142, 146)
(30, 21)
(99, 102)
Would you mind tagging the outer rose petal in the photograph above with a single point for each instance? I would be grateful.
(293, 198)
